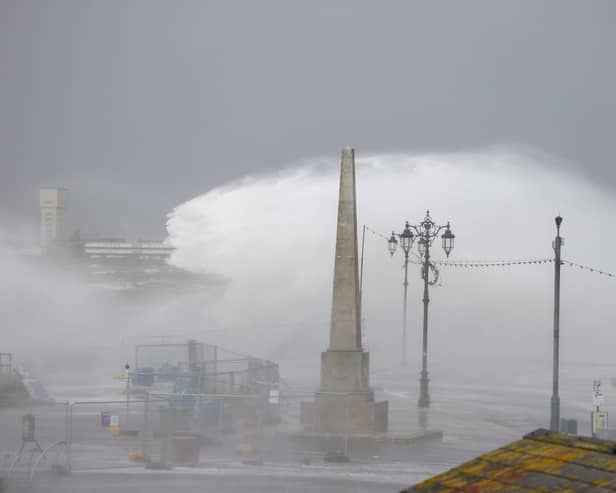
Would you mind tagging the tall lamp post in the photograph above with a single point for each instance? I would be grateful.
(425, 233)
(406, 240)
(555, 401)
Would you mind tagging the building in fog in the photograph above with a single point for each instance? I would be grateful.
(114, 263)
(119, 250)
(53, 203)
(122, 264)
(140, 265)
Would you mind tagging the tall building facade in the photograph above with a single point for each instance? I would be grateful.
(53, 202)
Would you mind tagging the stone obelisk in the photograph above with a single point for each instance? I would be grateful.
(345, 332)
(344, 398)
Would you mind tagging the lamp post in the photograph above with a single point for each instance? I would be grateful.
(555, 401)
(406, 240)
(127, 368)
(425, 233)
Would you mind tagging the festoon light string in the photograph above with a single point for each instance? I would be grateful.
(590, 269)
(500, 263)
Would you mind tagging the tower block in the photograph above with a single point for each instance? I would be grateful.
(345, 401)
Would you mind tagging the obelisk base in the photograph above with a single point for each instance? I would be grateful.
(345, 371)
(344, 402)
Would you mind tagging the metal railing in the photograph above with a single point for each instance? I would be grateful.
(91, 434)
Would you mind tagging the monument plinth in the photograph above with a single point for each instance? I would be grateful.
(345, 401)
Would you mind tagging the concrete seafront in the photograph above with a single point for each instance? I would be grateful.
(476, 416)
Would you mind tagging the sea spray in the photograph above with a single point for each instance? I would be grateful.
(273, 237)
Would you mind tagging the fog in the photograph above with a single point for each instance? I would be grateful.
(64, 327)
(272, 238)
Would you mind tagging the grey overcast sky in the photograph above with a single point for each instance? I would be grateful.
(138, 105)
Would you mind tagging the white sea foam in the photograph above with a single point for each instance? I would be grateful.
(273, 236)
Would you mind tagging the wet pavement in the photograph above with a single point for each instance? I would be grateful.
(476, 413)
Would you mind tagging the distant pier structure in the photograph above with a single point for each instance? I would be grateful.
(115, 263)
(345, 401)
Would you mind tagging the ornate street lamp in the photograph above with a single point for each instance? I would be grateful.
(406, 240)
(425, 233)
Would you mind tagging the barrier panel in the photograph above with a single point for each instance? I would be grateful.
(159, 430)
(32, 439)
(104, 434)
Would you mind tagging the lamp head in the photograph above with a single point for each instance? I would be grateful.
(421, 246)
(407, 238)
(448, 239)
(392, 244)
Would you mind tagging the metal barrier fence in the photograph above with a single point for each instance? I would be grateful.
(103, 434)
(160, 430)
(163, 430)
(195, 367)
(32, 438)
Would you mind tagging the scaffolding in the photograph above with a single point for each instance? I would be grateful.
(6, 363)
(195, 367)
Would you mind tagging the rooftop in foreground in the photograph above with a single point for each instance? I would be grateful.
(541, 461)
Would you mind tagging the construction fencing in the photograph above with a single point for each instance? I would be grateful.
(199, 368)
(161, 430)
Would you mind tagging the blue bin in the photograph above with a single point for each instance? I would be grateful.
(105, 419)
(207, 412)
(143, 377)
(187, 384)
(168, 373)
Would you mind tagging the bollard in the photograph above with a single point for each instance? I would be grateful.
(114, 425)
(105, 419)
